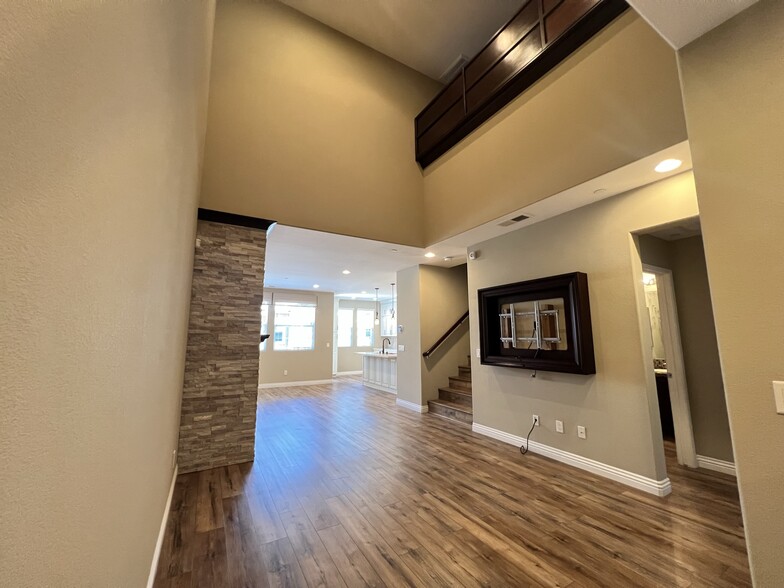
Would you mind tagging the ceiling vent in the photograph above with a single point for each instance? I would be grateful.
(513, 220)
(453, 69)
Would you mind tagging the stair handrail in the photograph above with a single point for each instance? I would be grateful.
(445, 336)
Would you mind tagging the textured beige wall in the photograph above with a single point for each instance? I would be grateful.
(700, 350)
(409, 362)
(614, 101)
(443, 299)
(686, 259)
(302, 366)
(102, 115)
(300, 113)
(617, 405)
(732, 87)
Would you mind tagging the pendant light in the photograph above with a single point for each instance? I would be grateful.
(394, 302)
(378, 321)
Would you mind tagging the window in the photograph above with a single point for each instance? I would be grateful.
(264, 323)
(365, 326)
(345, 327)
(295, 326)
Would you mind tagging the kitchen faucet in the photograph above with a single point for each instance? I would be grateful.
(384, 341)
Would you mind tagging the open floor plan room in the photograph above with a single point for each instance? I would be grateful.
(348, 489)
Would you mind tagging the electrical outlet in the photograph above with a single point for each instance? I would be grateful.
(479, 353)
(559, 426)
(285, 372)
(536, 420)
(581, 432)
(401, 347)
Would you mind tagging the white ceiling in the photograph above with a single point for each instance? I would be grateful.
(426, 35)
(679, 22)
(298, 258)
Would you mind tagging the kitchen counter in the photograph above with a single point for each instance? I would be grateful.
(379, 371)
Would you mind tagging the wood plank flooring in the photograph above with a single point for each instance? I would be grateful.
(348, 489)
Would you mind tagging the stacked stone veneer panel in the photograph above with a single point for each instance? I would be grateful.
(218, 423)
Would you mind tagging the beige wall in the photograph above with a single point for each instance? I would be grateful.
(686, 259)
(300, 113)
(613, 102)
(302, 366)
(430, 300)
(618, 404)
(732, 87)
(102, 114)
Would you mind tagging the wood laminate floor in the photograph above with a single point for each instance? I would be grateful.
(348, 489)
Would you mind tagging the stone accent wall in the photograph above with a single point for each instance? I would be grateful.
(218, 423)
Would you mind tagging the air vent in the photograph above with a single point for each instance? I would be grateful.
(453, 69)
(513, 220)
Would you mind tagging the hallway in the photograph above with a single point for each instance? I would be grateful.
(349, 490)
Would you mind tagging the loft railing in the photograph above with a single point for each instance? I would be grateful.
(445, 336)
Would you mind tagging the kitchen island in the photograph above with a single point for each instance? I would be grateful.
(379, 371)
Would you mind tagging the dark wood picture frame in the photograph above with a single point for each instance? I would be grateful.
(578, 358)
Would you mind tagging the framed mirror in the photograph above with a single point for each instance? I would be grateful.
(542, 324)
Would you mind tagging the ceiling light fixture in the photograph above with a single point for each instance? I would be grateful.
(316, 286)
(668, 165)
(430, 254)
(346, 272)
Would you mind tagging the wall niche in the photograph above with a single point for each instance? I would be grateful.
(542, 324)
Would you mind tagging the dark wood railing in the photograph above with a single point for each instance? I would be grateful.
(534, 42)
(445, 336)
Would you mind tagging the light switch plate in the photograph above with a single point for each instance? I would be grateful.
(479, 353)
(401, 347)
(559, 426)
(778, 393)
(581, 432)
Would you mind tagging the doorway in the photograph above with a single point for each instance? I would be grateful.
(682, 350)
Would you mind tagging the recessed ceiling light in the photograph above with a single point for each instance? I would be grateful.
(430, 254)
(316, 286)
(346, 272)
(600, 192)
(448, 258)
(668, 165)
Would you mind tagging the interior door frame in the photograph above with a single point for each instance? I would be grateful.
(676, 367)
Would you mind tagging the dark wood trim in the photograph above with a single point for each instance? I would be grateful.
(229, 218)
(445, 336)
(432, 143)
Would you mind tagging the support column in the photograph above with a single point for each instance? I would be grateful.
(218, 420)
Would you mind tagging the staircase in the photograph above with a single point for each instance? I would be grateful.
(455, 402)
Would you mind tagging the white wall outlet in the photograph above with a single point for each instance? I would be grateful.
(285, 372)
(581, 432)
(536, 420)
(559, 426)
(401, 347)
(174, 458)
(479, 353)
(778, 393)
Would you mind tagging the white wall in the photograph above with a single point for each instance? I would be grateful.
(102, 119)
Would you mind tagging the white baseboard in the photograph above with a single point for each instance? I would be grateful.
(354, 373)
(716, 465)
(412, 405)
(657, 487)
(379, 387)
(291, 384)
(162, 532)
